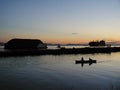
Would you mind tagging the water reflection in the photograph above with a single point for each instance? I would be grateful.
(90, 63)
(59, 72)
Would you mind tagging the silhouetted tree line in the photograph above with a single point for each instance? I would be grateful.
(97, 43)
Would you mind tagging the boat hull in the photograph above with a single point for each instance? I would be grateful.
(85, 61)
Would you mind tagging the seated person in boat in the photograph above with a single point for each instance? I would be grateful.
(82, 59)
(90, 59)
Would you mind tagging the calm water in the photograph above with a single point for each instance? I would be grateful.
(65, 46)
(59, 72)
(71, 46)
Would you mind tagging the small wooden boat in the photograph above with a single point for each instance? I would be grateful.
(90, 61)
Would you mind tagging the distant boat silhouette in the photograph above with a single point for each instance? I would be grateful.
(82, 61)
(58, 46)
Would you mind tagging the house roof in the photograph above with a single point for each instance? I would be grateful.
(23, 43)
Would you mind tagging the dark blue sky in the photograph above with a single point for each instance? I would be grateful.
(55, 21)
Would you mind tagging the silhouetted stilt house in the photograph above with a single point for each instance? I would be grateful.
(25, 44)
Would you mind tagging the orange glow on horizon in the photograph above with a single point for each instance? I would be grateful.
(64, 40)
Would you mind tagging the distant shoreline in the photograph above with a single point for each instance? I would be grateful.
(34, 52)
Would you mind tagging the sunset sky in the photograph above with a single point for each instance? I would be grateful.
(60, 21)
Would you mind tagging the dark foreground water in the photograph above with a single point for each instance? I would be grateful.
(59, 72)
